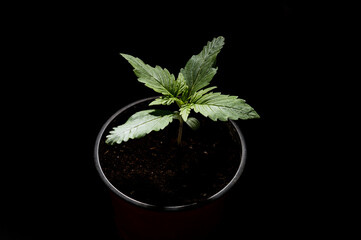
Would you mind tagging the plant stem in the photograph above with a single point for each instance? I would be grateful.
(180, 131)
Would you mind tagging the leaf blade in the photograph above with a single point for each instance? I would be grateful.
(156, 78)
(185, 110)
(199, 70)
(164, 100)
(140, 124)
(180, 88)
(223, 107)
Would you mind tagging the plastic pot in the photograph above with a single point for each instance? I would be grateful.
(136, 220)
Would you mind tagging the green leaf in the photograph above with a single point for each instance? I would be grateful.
(164, 100)
(140, 124)
(196, 96)
(199, 70)
(223, 107)
(185, 110)
(181, 86)
(193, 123)
(158, 79)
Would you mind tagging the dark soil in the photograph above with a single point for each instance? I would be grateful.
(155, 170)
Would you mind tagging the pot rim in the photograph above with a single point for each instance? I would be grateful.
(128, 199)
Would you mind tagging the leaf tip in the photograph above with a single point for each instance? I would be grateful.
(126, 56)
(109, 141)
(221, 38)
(256, 115)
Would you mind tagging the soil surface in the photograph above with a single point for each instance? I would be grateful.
(155, 170)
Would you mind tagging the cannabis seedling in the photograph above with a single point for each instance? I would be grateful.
(187, 92)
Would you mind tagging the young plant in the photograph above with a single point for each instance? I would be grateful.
(187, 91)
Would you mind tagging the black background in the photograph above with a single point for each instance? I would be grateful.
(72, 79)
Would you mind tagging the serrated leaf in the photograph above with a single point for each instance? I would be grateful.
(193, 123)
(140, 124)
(164, 100)
(181, 85)
(185, 110)
(158, 79)
(196, 96)
(199, 70)
(223, 107)
(169, 99)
